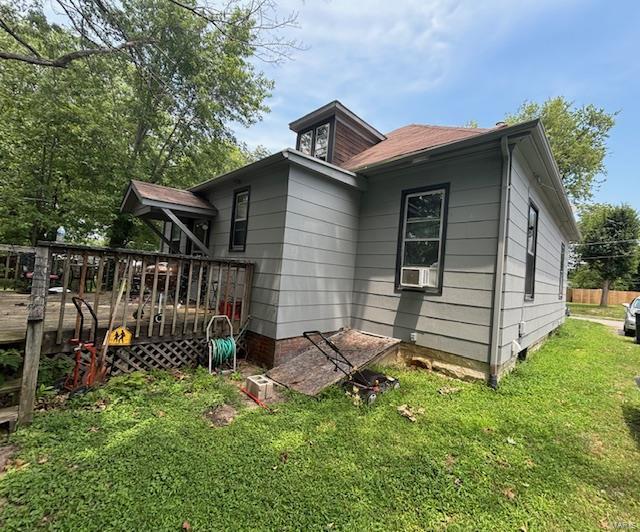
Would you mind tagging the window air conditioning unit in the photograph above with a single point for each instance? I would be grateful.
(419, 277)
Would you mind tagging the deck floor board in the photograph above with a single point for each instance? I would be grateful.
(14, 311)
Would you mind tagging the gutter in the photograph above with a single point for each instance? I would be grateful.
(312, 164)
(498, 285)
(428, 154)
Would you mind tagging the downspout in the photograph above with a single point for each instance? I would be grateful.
(498, 285)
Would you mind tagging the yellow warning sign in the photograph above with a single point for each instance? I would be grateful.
(120, 336)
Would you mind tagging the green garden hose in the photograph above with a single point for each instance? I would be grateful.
(222, 350)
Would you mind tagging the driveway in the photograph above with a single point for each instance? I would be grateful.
(616, 324)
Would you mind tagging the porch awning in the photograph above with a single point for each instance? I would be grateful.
(156, 202)
(146, 200)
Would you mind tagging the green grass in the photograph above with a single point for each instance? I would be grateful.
(556, 447)
(615, 312)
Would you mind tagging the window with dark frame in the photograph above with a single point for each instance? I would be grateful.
(305, 144)
(321, 142)
(421, 238)
(315, 141)
(562, 260)
(532, 247)
(239, 220)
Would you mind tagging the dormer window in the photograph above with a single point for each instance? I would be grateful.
(315, 141)
(334, 134)
(321, 146)
(306, 142)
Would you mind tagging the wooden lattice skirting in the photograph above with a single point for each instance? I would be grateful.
(158, 355)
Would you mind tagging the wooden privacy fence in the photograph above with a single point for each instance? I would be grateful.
(591, 296)
(165, 301)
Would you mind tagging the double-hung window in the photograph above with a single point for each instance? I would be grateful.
(562, 260)
(239, 220)
(532, 250)
(421, 239)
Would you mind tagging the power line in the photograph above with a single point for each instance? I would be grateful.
(608, 256)
(606, 242)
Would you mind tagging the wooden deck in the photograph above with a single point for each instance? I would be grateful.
(310, 372)
(14, 311)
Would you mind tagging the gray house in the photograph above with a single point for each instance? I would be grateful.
(450, 239)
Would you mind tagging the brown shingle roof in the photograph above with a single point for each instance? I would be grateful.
(409, 139)
(176, 196)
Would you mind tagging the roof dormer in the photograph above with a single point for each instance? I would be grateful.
(334, 134)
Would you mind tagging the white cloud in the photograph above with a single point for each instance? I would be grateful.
(372, 54)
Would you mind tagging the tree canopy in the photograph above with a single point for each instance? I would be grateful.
(71, 138)
(609, 244)
(578, 138)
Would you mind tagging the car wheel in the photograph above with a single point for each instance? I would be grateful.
(629, 332)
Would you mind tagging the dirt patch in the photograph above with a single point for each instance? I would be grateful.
(221, 415)
(6, 452)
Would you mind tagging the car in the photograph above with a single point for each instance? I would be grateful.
(630, 316)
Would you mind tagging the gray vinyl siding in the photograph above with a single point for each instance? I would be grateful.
(265, 238)
(318, 255)
(546, 311)
(457, 321)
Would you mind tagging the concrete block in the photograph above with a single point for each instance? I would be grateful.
(259, 386)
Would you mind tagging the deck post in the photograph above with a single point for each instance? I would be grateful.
(35, 329)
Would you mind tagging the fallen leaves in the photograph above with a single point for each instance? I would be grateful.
(178, 375)
(448, 390)
(18, 463)
(410, 413)
(449, 461)
(6, 452)
(509, 493)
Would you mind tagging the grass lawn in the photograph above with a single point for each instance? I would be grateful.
(615, 312)
(556, 447)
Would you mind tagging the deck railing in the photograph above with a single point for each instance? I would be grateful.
(154, 294)
(15, 264)
(164, 300)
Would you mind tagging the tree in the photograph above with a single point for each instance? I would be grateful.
(70, 139)
(102, 27)
(609, 247)
(583, 276)
(578, 138)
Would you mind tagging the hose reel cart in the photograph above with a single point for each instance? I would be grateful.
(223, 346)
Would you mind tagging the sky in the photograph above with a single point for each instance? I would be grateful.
(448, 62)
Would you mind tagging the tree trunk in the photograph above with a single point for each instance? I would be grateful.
(604, 299)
